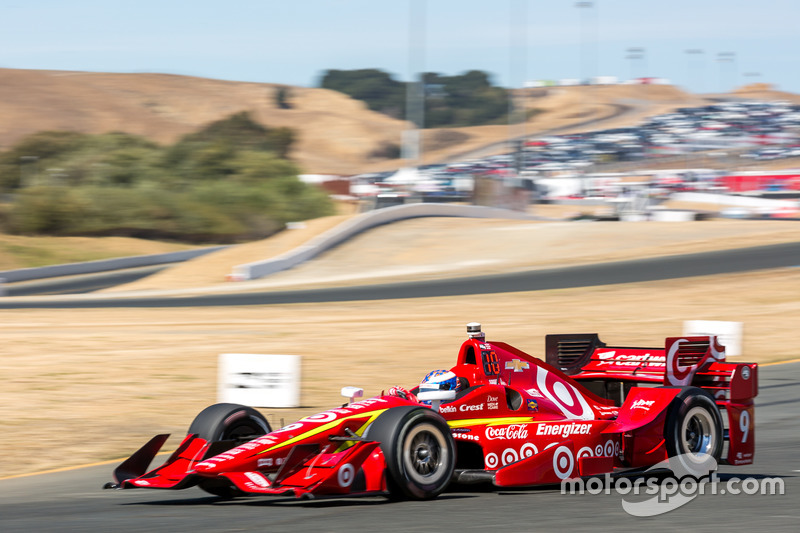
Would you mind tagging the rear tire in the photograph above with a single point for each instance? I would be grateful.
(233, 423)
(693, 432)
(419, 451)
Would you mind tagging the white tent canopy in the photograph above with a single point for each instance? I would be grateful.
(405, 176)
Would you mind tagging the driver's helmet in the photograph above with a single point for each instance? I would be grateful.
(440, 380)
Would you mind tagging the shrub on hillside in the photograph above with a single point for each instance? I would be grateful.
(228, 181)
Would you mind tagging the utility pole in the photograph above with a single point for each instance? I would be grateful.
(724, 58)
(415, 90)
(694, 52)
(517, 112)
(636, 54)
(585, 75)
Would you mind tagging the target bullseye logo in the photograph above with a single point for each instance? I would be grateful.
(528, 450)
(326, 416)
(563, 394)
(492, 461)
(677, 374)
(566, 397)
(509, 456)
(290, 427)
(609, 448)
(346, 475)
(563, 462)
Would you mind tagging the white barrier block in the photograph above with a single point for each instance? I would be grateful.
(729, 333)
(259, 380)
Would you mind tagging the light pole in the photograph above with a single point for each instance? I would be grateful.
(694, 52)
(415, 90)
(754, 75)
(722, 59)
(585, 75)
(635, 54)
(517, 112)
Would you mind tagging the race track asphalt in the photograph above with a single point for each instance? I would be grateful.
(74, 501)
(650, 269)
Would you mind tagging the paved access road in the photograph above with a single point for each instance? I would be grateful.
(74, 501)
(651, 269)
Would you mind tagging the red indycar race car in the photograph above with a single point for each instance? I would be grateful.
(513, 420)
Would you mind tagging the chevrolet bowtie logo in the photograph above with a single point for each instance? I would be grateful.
(517, 365)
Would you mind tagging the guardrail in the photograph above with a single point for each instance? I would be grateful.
(104, 265)
(735, 200)
(354, 226)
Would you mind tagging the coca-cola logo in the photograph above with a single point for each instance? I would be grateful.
(512, 432)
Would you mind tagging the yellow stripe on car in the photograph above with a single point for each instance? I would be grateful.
(325, 427)
(490, 421)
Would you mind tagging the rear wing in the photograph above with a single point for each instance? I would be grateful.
(698, 361)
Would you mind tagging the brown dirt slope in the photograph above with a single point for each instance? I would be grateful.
(765, 91)
(214, 268)
(336, 133)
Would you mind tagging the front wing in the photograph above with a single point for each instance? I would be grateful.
(306, 472)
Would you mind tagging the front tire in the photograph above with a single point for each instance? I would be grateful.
(228, 425)
(419, 451)
(693, 432)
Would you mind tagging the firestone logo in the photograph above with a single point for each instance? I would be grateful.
(512, 432)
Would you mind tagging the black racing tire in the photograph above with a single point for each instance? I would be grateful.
(693, 432)
(232, 423)
(419, 450)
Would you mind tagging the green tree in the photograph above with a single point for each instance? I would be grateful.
(375, 87)
(467, 99)
(282, 98)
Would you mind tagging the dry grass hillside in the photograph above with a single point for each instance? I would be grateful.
(765, 91)
(336, 133)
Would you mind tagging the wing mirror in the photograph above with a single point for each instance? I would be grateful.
(351, 393)
(436, 397)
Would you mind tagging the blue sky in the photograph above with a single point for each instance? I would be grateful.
(294, 41)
